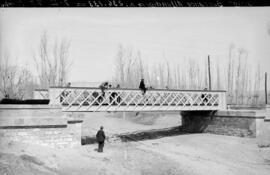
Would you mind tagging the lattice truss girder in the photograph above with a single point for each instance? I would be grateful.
(135, 100)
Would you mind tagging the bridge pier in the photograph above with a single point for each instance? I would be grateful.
(242, 123)
(39, 124)
(264, 137)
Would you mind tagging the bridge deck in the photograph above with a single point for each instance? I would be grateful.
(93, 99)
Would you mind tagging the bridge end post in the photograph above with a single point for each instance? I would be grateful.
(54, 96)
(222, 101)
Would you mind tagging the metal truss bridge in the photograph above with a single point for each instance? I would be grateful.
(118, 99)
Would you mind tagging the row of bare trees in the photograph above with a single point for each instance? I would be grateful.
(51, 62)
(245, 82)
(242, 81)
(15, 81)
(130, 68)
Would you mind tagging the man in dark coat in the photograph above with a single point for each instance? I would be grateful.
(102, 87)
(142, 86)
(100, 139)
(204, 96)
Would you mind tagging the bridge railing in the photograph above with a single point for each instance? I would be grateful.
(116, 99)
(41, 94)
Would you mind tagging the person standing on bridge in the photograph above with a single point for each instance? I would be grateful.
(204, 96)
(142, 86)
(102, 87)
(100, 139)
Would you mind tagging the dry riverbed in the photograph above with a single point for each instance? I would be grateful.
(161, 153)
(194, 154)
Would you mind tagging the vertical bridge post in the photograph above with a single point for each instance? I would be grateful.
(55, 95)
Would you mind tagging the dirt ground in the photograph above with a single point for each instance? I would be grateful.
(187, 154)
(193, 154)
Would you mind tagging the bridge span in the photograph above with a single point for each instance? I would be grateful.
(88, 99)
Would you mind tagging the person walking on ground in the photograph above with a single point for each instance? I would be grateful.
(142, 86)
(100, 139)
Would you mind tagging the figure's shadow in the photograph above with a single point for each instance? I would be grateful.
(152, 134)
(141, 135)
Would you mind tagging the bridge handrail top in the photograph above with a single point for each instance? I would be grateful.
(133, 89)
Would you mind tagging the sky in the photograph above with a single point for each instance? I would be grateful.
(158, 33)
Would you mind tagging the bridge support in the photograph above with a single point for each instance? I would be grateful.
(264, 137)
(38, 124)
(233, 122)
(49, 126)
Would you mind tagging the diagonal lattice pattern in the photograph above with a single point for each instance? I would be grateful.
(93, 99)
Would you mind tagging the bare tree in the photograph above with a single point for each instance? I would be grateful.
(230, 74)
(169, 78)
(120, 66)
(52, 63)
(25, 84)
(257, 84)
(15, 82)
(218, 82)
(243, 82)
(162, 78)
(176, 78)
(130, 68)
(6, 72)
(190, 75)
